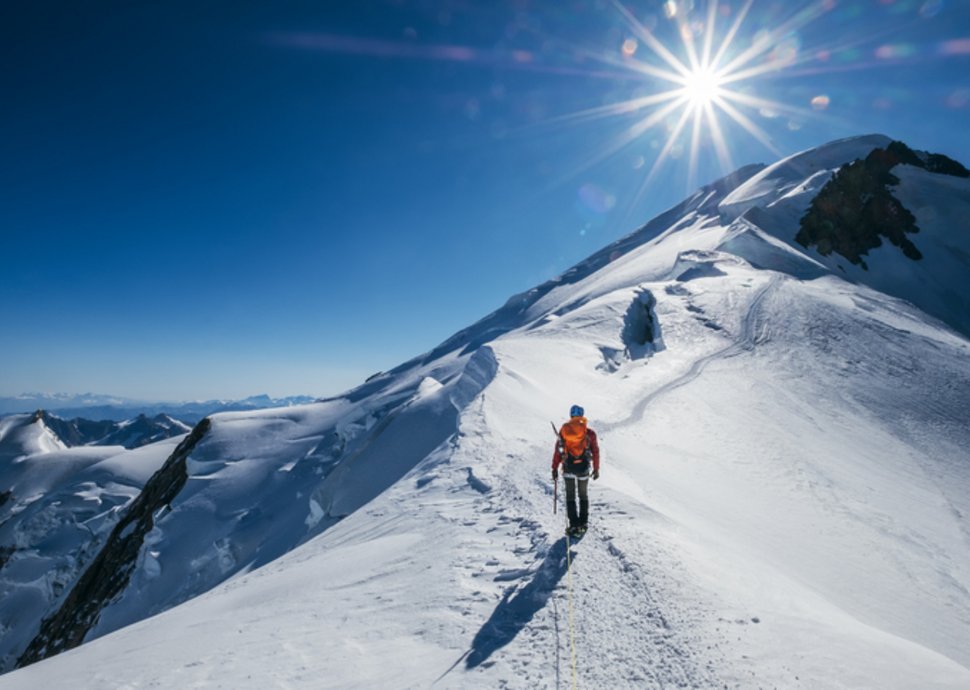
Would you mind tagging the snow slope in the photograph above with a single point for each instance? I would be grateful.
(57, 506)
(24, 434)
(783, 499)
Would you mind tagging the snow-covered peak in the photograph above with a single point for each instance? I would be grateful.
(797, 170)
(57, 507)
(860, 192)
(26, 434)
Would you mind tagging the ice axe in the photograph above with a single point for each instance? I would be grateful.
(555, 495)
(555, 485)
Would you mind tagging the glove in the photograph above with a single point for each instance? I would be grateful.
(555, 475)
(596, 474)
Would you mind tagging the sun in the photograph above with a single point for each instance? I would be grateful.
(701, 87)
(691, 88)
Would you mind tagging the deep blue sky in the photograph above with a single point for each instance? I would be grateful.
(221, 198)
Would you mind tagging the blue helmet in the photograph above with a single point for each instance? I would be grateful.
(576, 411)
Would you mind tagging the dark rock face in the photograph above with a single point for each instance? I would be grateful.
(77, 432)
(938, 163)
(855, 210)
(108, 573)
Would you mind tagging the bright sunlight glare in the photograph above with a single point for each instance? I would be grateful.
(695, 88)
(701, 87)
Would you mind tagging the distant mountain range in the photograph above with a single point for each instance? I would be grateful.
(130, 433)
(92, 406)
(22, 435)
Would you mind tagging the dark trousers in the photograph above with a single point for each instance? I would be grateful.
(583, 517)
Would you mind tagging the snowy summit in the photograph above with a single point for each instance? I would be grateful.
(777, 369)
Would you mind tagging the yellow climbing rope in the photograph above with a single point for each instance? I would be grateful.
(569, 599)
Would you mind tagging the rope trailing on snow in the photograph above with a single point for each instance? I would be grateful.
(569, 599)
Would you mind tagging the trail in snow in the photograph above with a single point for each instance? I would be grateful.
(752, 332)
(632, 609)
(619, 583)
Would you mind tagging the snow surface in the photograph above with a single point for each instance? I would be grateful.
(60, 504)
(804, 171)
(22, 435)
(783, 499)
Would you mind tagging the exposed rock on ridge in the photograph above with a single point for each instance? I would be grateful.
(856, 209)
(108, 573)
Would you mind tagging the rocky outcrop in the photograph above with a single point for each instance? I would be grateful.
(856, 209)
(109, 572)
(77, 431)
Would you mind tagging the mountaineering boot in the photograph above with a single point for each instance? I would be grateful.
(576, 532)
(571, 502)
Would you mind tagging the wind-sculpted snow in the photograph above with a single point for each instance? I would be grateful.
(109, 572)
(802, 172)
(478, 373)
(782, 502)
(745, 239)
(59, 508)
(22, 435)
(260, 484)
(525, 307)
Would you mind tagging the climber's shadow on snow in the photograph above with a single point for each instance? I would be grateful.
(518, 607)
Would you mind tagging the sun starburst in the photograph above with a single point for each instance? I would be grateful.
(697, 84)
(702, 87)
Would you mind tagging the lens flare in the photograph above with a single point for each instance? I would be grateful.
(930, 8)
(596, 199)
(960, 46)
(702, 83)
(958, 99)
(821, 102)
(705, 86)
